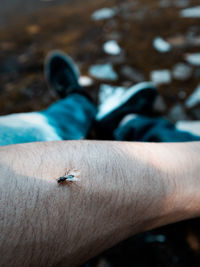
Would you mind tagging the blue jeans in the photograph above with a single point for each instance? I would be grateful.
(66, 119)
(145, 129)
(71, 119)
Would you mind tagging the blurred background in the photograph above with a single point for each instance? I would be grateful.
(116, 44)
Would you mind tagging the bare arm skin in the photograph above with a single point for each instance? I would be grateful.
(124, 188)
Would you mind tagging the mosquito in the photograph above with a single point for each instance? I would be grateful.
(68, 178)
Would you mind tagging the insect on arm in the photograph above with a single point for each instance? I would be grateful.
(72, 176)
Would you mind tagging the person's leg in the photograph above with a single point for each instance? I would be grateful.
(140, 128)
(69, 118)
(138, 100)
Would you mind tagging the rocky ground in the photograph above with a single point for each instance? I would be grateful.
(129, 42)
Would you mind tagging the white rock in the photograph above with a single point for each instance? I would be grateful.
(192, 127)
(182, 71)
(193, 59)
(161, 45)
(132, 74)
(103, 72)
(85, 81)
(112, 48)
(193, 12)
(193, 99)
(159, 77)
(104, 13)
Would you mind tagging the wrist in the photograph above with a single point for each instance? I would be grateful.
(179, 166)
(167, 181)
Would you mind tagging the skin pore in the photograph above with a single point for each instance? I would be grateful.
(124, 188)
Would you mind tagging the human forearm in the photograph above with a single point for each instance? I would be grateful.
(125, 188)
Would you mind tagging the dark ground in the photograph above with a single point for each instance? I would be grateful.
(25, 39)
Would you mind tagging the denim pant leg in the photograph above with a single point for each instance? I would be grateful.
(72, 117)
(66, 119)
(146, 129)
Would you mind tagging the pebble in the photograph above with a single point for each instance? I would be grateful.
(132, 74)
(192, 12)
(85, 81)
(159, 77)
(194, 98)
(111, 47)
(159, 104)
(103, 72)
(182, 94)
(193, 59)
(117, 59)
(193, 40)
(182, 71)
(161, 45)
(177, 41)
(180, 41)
(104, 13)
(177, 113)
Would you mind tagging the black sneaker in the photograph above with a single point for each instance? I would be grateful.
(138, 99)
(62, 74)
